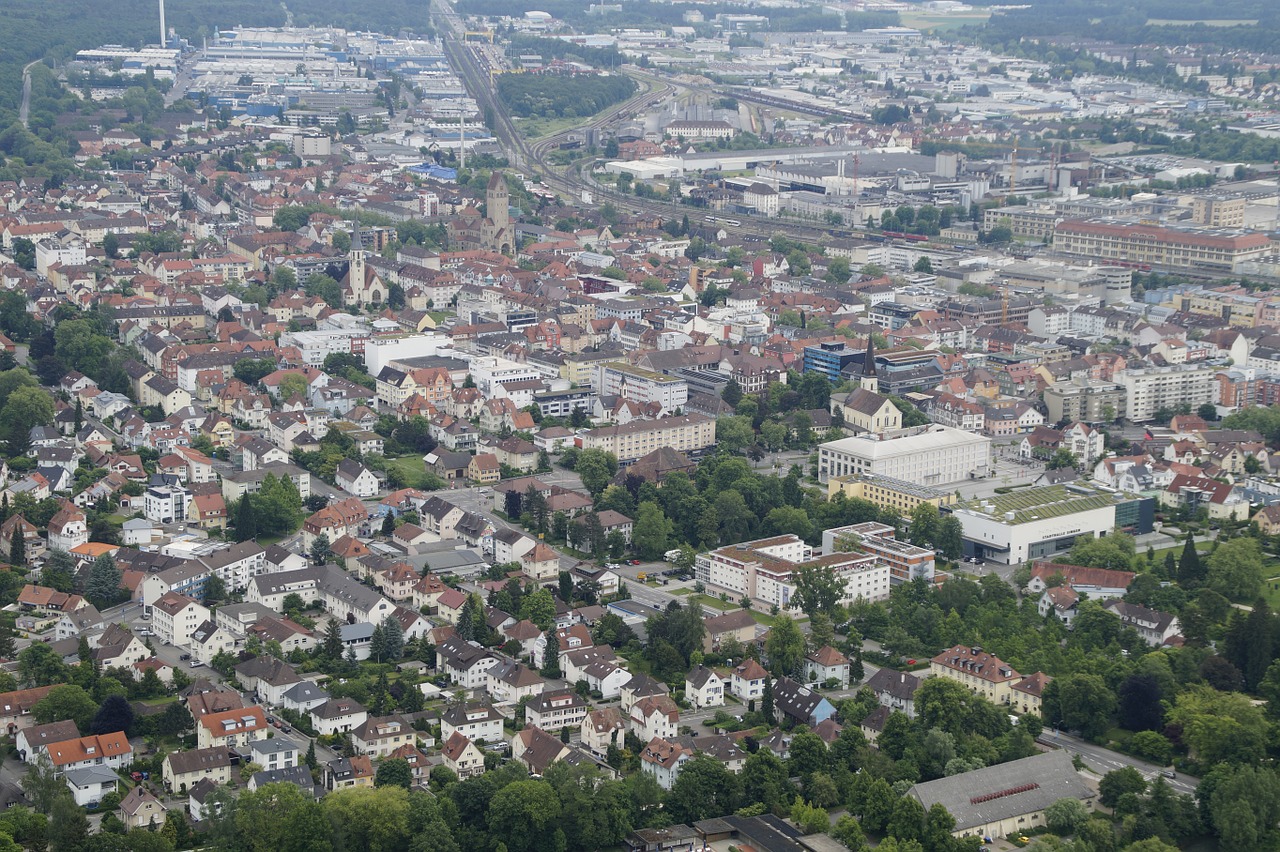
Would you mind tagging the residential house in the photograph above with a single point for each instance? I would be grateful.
(703, 688)
(551, 711)
(462, 756)
(801, 704)
(181, 770)
(354, 478)
(1154, 627)
(655, 716)
(747, 681)
(895, 690)
(536, 750)
(348, 772)
(602, 728)
(477, 722)
(338, 716)
(826, 665)
(232, 728)
(110, 750)
(378, 737)
(141, 809)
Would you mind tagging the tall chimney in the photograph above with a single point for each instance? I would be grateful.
(164, 33)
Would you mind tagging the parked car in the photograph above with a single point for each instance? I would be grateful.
(195, 664)
(185, 657)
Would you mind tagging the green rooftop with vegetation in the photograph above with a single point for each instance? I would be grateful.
(1037, 504)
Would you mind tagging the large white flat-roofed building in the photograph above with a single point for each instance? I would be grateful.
(1131, 242)
(1034, 523)
(928, 455)
(691, 434)
(637, 384)
(765, 570)
(1149, 390)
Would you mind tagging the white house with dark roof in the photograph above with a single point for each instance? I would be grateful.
(476, 722)
(703, 688)
(356, 479)
(895, 690)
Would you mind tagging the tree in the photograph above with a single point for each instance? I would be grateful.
(18, 547)
(1191, 573)
(68, 824)
(818, 590)
(551, 656)
(1118, 783)
(539, 607)
(1152, 746)
(1114, 550)
(595, 468)
(1066, 816)
(651, 531)
(320, 549)
(1235, 569)
(704, 788)
(764, 780)
(808, 755)
(924, 525)
(471, 622)
(66, 701)
(40, 665)
(394, 771)
(1219, 727)
(332, 647)
(103, 587)
(923, 265)
(43, 785)
(766, 701)
(524, 814)
(392, 639)
(785, 647)
(733, 434)
(246, 525)
(732, 393)
(25, 408)
(1084, 702)
(1244, 807)
(1139, 707)
(115, 714)
(949, 540)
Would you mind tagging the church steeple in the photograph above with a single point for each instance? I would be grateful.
(870, 379)
(355, 256)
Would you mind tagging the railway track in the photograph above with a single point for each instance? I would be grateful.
(532, 158)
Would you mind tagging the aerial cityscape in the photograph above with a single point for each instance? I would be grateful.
(740, 425)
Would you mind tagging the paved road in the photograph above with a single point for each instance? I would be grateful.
(1103, 760)
(25, 109)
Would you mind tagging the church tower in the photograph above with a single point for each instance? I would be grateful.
(870, 380)
(498, 202)
(355, 266)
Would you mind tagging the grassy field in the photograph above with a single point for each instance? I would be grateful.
(945, 22)
(414, 471)
(1208, 22)
(1271, 589)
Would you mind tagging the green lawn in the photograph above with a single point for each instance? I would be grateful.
(715, 603)
(1271, 591)
(681, 592)
(412, 468)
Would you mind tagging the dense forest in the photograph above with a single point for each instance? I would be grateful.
(542, 96)
(1180, 22)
